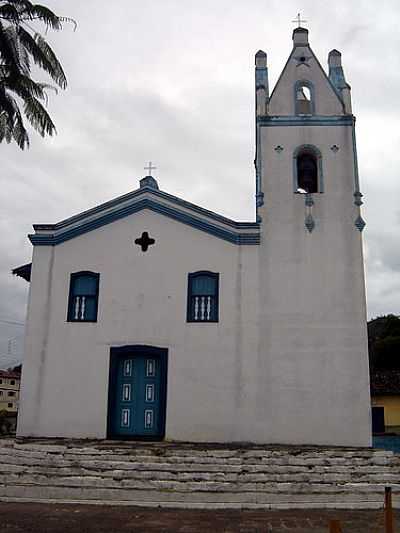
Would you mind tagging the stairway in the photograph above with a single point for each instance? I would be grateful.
(194, 475)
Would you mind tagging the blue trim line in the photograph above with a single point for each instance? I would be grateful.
(147, 203)
(261, 75)
(258, 168)
(138, 192)
(357, 193)
(336, 76)
(315, 120)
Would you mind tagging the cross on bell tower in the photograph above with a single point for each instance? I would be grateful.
(298, 20)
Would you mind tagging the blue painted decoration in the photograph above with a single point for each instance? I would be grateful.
(309, 223)
(360, 223)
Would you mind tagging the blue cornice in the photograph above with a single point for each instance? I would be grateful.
(140, 192)
(314, 120)
(58, 233)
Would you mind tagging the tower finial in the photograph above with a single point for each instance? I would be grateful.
(298, 20)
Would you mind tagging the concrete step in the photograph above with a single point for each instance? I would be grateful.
(198, 476)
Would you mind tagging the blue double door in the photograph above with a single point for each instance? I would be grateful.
(137, 393)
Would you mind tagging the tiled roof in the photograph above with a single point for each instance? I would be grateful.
(385, 382)
(9, 375)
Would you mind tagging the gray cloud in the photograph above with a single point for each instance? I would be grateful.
(172, 81)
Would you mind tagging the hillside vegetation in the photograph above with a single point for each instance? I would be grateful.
(384, 342)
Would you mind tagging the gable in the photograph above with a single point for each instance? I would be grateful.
(304, 67)
(156, 201)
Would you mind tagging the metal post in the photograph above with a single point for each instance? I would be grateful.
(388, 511)
(334, 526)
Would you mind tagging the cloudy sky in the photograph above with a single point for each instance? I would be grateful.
(172, 81)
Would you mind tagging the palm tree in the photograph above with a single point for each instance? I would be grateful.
(20, 45)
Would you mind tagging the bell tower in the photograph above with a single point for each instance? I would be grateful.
(313, 352)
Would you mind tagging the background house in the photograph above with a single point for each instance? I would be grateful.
(384, 355)
(9, 390)
(385, 399)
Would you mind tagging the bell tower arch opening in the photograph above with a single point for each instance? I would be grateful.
(307, 168)
(304, 98)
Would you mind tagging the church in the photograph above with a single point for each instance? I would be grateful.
(150, 317)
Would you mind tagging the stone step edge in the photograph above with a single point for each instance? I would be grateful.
(379, 461)
(196, 448)
(191, 455)
(195, 475)
(209, 487)
(207, 505)
(217, 454)
(244, 468)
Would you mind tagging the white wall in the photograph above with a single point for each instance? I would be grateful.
(211, 367)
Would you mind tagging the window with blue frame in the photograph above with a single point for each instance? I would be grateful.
(202, 304)
(83, 297)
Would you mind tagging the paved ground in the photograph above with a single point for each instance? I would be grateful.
(53, 518)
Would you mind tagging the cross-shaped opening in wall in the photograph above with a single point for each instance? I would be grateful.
(144, 241)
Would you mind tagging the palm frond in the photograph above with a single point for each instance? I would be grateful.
(58, 74)
(5, 127)
(19, 132)
(21, 4)
(23, 10)
(9, 12)
(12, 51)
(11, 122)
(37, 11)
(43, 56)
(25, 87)
(38, 117)
(20, 45)
(7, 103)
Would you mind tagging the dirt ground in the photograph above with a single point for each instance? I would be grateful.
(54, 518)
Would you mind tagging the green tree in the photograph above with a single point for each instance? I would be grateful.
(384, 342)
(21, 46)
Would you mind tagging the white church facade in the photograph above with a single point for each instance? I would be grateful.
(151, 317)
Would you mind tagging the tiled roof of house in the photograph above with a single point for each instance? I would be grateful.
(385, 382)
(9, 375)
(23, 271)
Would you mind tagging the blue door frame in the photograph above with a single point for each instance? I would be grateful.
(137, 392)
